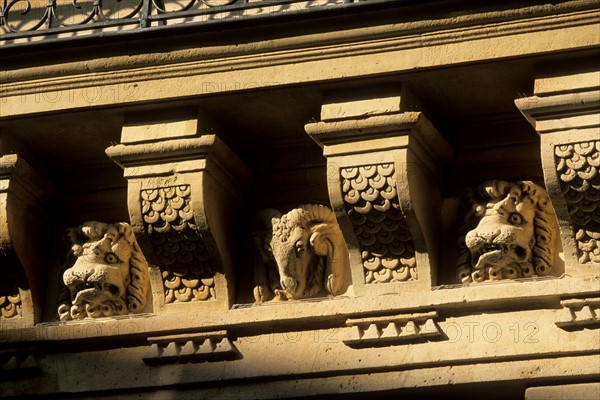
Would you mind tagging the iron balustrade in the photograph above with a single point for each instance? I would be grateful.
(29, 21)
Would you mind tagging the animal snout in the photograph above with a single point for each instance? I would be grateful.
(289, 284)
(72, 276)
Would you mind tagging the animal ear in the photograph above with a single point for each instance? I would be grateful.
(126, 230)
(92, 229)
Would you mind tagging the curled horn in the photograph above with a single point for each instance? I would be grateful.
(265, 272)
(327, 241)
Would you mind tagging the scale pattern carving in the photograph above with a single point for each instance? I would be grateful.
(10, 299)
(372, 204)
(578, 167)
(187, 268)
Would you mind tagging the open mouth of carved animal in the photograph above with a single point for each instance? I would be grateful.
(93, 289)
(498, 254)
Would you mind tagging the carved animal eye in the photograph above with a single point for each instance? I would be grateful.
(299, 247)
(515, 219)
(111, 258)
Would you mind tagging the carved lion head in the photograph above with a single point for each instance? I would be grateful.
(109, 275)
(510, 231)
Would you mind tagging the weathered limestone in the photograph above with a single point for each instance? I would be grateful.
(579, 313)
(109, 274)
(25, 197)
(565, 111)
(184, 189)
(509, 232)
(391, 330)
(302, 253)
(580, 391)
(194, 347)
(383, 169)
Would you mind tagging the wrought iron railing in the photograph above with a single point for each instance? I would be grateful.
(27, 21)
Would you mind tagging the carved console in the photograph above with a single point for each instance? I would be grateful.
(383, 173)
(565, 111)
(184, 190)
(25, 197)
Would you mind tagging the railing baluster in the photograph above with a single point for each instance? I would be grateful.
(146, 12)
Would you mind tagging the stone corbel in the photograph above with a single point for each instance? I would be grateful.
(565, 111)
(184, 191)
(25, 197)
(383, 174)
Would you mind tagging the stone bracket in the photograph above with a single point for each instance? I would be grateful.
(383, 173)
(579, 313)
(184, 190)
(565, 111)
(25, 197)
(392, 330)
(194, 348)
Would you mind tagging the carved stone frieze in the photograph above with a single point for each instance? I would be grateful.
(391, 330)
(186, 267)
(197, 347)
(509, 232)
(108, 275)
(579, 313)
(578, 167)
(373, 208)
(302, 254)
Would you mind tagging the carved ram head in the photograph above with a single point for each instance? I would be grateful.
(108, 275)
(301, 253)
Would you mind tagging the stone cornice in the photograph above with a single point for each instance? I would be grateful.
(222, 62)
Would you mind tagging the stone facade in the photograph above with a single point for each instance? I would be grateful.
(300, 199)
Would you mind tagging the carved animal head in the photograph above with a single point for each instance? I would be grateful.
(510, 232)
(110, 274)
(308, 249)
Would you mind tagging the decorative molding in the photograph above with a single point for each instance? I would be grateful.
(578, 168)
(579, 313)
(215, 59)
(186, 267)
(392, 330)
(380, 226)
(194, 348)
(398, 47)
